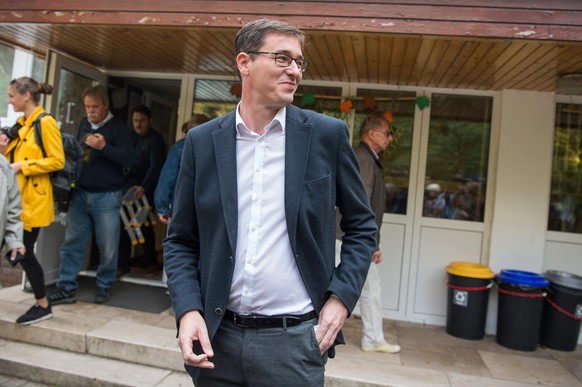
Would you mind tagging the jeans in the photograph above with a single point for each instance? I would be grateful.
(88, 211)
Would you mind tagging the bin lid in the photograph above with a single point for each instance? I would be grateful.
(519, 277)
(565, 279)
(470, 270)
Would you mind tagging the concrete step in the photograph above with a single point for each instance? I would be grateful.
(83, 333)
(63, 368)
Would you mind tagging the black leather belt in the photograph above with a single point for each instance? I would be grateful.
(260, 321)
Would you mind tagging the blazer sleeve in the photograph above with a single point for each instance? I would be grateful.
(182, 245)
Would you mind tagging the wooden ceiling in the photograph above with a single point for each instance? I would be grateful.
(404, 56)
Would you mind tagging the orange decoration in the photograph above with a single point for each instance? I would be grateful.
(369, 103)
(346, 106)
(389, 117)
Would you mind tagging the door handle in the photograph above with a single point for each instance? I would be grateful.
(70, 105)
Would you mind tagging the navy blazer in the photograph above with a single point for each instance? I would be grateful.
(321, 173)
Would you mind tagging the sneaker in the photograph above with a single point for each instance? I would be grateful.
(384, 348)
(35, 314)
(102, 295)
(61, 296)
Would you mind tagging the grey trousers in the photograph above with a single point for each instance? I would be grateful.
(268, 357)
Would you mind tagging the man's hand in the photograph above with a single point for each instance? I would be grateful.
(95, 141)
(331, 320)
(165, 219)
(377, 257)
(193, 328)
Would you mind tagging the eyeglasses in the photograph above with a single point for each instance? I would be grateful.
(387, 133)
(283, 60)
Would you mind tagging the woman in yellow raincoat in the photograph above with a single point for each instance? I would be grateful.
(32, 171)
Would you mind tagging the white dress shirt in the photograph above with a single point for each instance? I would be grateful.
(266, 279)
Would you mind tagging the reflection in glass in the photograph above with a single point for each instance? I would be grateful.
(322, 99)
(458, 154)
(215, 98)
(565, 213)
(396, 159)
(6, 64)
(70, 105)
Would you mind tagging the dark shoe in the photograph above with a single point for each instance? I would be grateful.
(35, 314)
(61, 296)
(102, 295)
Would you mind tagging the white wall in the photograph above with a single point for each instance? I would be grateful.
(522, 190)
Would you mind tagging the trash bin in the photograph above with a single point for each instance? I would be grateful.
(468, 295)
(520, 308)
(562, 314)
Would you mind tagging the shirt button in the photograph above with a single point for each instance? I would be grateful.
(218, 311)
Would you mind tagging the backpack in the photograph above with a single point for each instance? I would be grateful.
(63, 181)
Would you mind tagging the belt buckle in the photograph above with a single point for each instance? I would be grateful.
(244, 321)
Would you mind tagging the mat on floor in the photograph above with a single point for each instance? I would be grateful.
(144, 298)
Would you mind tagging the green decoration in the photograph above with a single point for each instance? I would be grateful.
(422, 102)
(308, 99)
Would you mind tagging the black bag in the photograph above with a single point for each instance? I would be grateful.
(63, 181)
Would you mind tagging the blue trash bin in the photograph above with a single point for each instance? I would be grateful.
(520, 308)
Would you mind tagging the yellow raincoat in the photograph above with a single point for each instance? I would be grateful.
(33, 179)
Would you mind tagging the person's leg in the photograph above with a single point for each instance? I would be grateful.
(149, 246)
(31, 266)
(371, 309)
(283, 357)
(41, 310)
(228, 349)
(79, 227)
(105, 212)
(124, 254)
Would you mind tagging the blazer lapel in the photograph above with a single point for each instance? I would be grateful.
(225, 157)
(297, 142)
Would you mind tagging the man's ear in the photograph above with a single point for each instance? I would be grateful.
(242, 62)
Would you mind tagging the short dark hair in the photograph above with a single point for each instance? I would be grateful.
(143, 109)
(373, 121)
(252, 35)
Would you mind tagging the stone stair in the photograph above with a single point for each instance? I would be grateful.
(77, 348)
(85, 344)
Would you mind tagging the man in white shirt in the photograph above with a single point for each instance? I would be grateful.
(250, 249)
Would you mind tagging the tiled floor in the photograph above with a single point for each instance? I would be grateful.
(431, 357)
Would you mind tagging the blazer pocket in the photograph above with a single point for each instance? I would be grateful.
(318, 184)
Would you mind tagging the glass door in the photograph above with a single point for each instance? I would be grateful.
(69, 78)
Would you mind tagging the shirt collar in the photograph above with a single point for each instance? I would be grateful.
(279, 119)
(100, 124)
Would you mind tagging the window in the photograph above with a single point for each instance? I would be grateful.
(565, 213)
(215, 98)
(6, 64)
(457, 158)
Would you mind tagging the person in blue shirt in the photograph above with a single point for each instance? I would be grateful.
(164, 193)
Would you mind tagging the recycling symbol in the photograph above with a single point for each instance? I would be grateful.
(460, 297)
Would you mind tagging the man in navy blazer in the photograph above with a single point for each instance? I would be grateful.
(250, 251)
